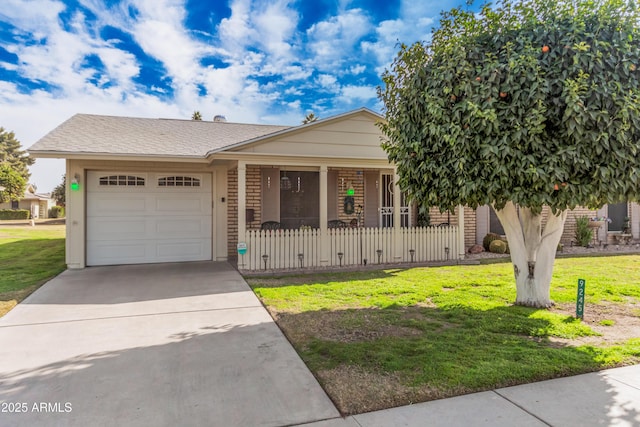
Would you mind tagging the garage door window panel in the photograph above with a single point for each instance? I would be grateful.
(178, 181)
(121, 181)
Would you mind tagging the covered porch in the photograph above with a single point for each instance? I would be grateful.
(320, 213)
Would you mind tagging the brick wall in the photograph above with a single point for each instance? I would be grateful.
(569, 232)
(346, 178)
(232, 212)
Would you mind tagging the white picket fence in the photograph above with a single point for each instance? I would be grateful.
(295, 249)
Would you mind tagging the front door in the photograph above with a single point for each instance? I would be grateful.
(386, 206)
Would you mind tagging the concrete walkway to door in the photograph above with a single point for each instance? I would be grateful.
(185, 344)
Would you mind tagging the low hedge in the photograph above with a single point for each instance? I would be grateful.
(14, 214)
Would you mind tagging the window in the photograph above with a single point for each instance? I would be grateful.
(121, 180)
(495, 226)
(617, 212)
(15, 204)
(178, 181)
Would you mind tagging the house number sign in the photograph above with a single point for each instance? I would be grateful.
(580, 300)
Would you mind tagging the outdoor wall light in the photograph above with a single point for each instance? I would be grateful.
(75, 183)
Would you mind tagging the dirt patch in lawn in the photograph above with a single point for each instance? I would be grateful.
(340, 326)
(355, 390)
(614, 322)
(8, 300)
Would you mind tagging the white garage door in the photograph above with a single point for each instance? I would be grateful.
(135, 218)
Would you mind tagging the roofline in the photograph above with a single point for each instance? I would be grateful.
(47, 154)
(294, 129)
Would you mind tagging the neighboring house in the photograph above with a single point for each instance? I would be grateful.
(319, 194)
(38, 204)
(156, 190)
(487, 221)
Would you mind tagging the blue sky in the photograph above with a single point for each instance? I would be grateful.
(266, 62)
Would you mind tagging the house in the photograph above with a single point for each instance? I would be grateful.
(156, 190)
(38, 204)
(315, 195)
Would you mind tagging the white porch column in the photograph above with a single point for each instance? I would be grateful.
(461, 249)
(324, 235)
(76, 240)
(397, 201)
(242, 200)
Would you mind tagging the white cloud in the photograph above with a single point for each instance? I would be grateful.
(357, 94)
(276, 25)
(327, 81)
(332, 41)
(357, 69)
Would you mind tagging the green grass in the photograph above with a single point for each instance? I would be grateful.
(452, 329)
(29, 256)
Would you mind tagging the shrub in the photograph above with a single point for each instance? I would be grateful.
(498, 246)
(488, 239)
(14, 214)
(584, 233)
(56, 212)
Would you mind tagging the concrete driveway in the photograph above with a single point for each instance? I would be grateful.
(184, 344)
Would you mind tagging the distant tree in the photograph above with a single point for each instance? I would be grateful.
(309, 118)
(59, 193)
(12, 182)
(521, 105)
(196, 115)
(11, 154)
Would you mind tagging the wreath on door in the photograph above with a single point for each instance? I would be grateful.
(349, 205)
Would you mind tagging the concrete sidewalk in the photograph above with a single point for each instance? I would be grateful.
(606, 398)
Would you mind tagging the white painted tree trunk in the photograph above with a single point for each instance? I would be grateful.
(533, 251)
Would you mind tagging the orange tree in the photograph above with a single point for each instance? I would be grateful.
(521, 106)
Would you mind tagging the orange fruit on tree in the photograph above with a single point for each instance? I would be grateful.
(545, 49)
(503, 94)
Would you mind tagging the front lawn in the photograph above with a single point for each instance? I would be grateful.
(378, 339)
(29, 256)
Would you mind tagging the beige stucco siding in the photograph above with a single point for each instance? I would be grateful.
(354, 137)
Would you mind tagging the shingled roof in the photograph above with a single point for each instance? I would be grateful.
(94, 134)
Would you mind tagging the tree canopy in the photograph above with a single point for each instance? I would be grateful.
(59, 193)
(309, 118)
(13, 155)
(12, 182)
(196, 115)
(535, 103)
